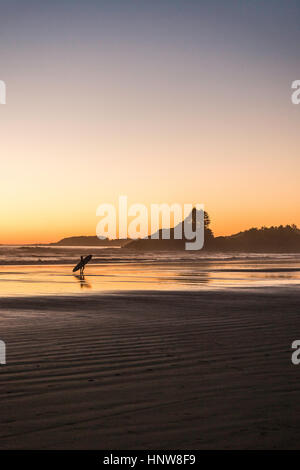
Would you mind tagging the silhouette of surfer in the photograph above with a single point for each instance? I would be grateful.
(82, 267)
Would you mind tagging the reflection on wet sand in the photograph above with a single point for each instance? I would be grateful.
(141, 276)
(82, 281)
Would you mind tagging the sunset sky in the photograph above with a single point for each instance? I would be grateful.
(163, 101)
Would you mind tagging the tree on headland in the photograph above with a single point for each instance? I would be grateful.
(208, 233)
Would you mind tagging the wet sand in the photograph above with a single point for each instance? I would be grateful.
(155, 370)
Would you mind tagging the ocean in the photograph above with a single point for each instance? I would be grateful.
(40, 270)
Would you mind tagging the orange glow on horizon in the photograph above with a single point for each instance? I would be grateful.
(205, 121)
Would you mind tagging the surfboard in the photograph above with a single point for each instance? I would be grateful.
(82, 263)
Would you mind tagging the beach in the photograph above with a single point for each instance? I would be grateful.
(150, 229)
(174, 369)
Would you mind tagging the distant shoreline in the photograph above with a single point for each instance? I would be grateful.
(280, 239)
